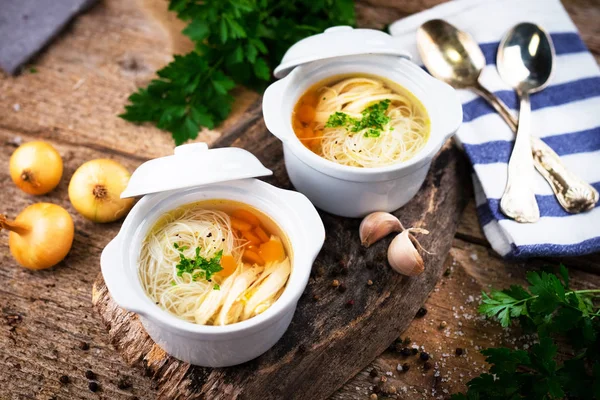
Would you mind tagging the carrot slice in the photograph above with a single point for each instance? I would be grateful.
(262, 235)
(251, 237)
(246, 216)
(311, 99)
(228, 264)
(306, 113)
(251, 257)
(272, 251)
(240, 225)
(252, 247)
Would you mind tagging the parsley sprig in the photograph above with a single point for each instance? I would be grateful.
(236, 42)
(553, 311)
(198, 267)
(373, 120)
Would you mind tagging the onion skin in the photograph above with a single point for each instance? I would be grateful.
(95, 190)
(36, 167)
(41, 235)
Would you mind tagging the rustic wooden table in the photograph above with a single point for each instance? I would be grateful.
(82, 82)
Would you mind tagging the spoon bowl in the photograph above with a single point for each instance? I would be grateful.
(525, 58)
(454, 57)
(451, 55)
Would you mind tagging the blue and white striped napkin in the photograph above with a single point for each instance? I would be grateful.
(566, 115)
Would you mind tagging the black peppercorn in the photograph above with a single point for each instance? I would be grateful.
(398, 347)
(424, 356)
(90, 374)
(422, 312)
(406, 352)
(407, 341)
(64, 379)
(376, 389)
(84, 346)
(459, 351)
(123, 384)
(342, 288)
(93, 386)
(414, 351)
(405, 367)
(427, 366)
(373, 373)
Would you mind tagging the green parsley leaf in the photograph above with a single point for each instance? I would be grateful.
(236, 42)
(198, 267)
(373, 120)
(338, 119)
(552, 309)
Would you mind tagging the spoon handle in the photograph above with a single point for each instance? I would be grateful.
(518, 201)
(573, 193)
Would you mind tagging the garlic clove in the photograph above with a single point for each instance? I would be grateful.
(376, 226)
(404, 257)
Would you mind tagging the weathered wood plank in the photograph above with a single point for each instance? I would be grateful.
(54, 314)
(82, 83)
(471, 269)
(328, 342)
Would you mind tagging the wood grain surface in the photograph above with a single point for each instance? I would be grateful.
(329, 340)
(48, 327)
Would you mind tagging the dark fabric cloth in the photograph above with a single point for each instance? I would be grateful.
(26, 26)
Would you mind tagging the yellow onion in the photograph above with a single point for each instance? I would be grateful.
(41, 235)
(36, 167)
(95, 190)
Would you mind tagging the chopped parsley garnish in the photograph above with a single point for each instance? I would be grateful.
(338, 119)
(199, 267)
(372, 122)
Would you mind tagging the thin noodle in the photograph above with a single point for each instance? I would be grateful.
(196, 300)
(402, 137)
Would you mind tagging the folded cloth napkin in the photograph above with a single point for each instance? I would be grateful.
(566, 115)
(26, 26)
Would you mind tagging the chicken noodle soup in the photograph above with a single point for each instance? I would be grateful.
(214, 263)
(361, 121)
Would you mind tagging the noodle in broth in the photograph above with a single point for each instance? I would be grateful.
(254, 266)
(400, 130)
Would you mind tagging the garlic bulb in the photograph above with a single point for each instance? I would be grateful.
(376, 226)
(403, 256)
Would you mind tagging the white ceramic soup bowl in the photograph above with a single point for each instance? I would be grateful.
(204, 345)
(354, 191)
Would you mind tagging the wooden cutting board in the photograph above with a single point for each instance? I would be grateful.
(334, 334)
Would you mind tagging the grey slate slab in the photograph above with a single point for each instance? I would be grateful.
(26, 26)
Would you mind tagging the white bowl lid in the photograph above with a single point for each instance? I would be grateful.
(338, 41)
(193, 165)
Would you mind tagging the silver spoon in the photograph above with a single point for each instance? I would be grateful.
(525, 59)
(454, 57)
